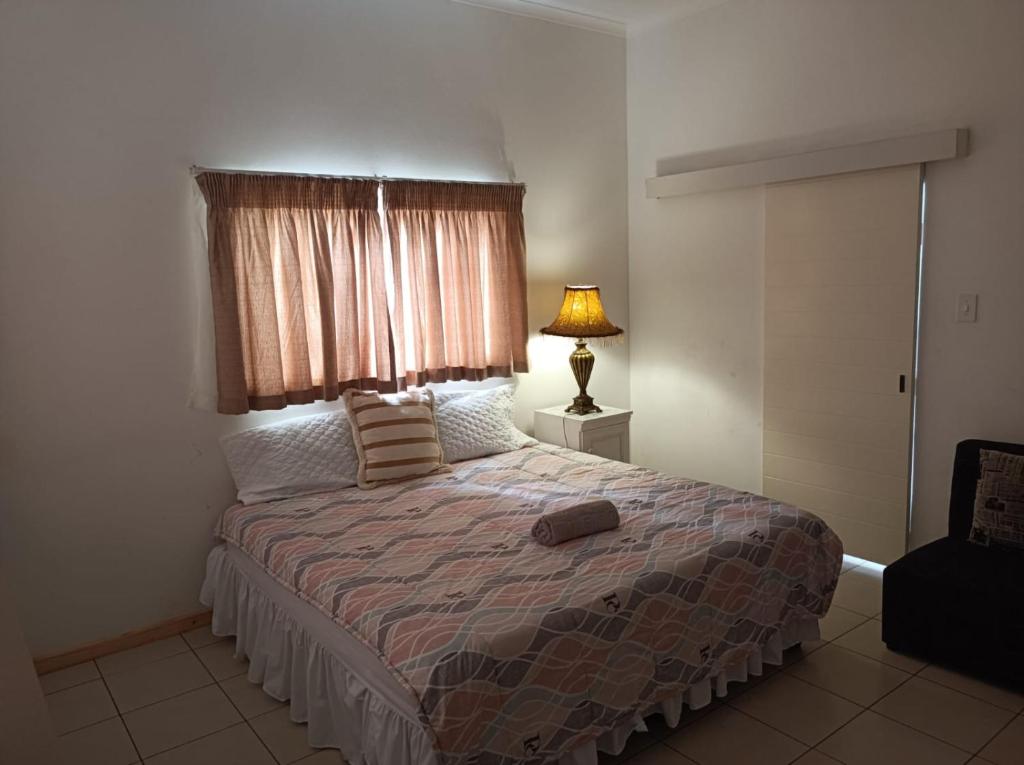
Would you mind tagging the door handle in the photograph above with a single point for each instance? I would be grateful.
(903, 383)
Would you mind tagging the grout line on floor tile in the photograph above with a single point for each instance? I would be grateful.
(256, 733)
(913, 673)
(861, 713)
(937, 681)
(851, 629)
(995, 735)
(178, 695)
(120, 717)
(134, 667)
(751, 717)
(245, 720)
(117, 712)
(922, 732)
(639, 751)
(161, 701)
(83, 727)
(263, 743)
(863, 708)
(197, 738)
(73, 685)
(205, 735)
(891, 691)
(67, 733)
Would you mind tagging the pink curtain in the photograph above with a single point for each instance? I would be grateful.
(458, 267)
(299, 294)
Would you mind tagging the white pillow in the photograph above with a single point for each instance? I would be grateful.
(306, 455)
(474, 424)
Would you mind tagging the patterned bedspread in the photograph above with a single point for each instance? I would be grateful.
(518, 653)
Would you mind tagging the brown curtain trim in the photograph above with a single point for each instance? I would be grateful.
(318, 393)
(243, 190)
(309, 396)
(452, 374)
(452, 195)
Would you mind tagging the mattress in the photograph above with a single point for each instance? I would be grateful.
(509, 652)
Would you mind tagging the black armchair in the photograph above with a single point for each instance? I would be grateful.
(956, 603)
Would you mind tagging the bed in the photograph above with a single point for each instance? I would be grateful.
(420, 624)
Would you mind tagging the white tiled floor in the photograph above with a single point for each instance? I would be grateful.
(181, 701)
(846, 699)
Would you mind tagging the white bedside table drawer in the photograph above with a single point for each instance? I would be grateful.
(605, 433)
(611, 443)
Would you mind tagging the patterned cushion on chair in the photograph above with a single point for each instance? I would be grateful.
(999, 501)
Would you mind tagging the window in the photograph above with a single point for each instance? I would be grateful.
(309, 300)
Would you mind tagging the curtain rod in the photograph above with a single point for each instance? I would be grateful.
(198, 169)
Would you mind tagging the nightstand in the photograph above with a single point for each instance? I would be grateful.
(605, 433)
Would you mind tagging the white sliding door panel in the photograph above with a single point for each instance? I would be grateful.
(841, 271)
(850, 430)
(853, 456)
(891, 354)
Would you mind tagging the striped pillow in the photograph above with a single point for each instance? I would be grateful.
(396, 437)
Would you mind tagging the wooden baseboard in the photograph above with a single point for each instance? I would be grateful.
(165, 629)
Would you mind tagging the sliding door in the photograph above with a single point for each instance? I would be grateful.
(841, 269)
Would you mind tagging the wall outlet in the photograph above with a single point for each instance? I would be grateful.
(967, 307)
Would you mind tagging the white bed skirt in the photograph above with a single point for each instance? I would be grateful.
(293, 653)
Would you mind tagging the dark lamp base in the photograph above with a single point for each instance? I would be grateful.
(583, 405)
(582, 362)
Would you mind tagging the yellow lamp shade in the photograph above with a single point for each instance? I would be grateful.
(582, 315)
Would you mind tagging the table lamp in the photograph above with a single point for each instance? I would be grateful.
(582, 317)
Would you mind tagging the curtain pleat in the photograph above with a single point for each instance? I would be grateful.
(458, 253)
(299, 294)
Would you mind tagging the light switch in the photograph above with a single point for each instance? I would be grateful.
(967, 307)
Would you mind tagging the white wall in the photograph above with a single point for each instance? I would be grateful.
(110, 484)
(800, 74)
(26, 731)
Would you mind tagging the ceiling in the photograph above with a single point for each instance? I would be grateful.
(610, 16)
